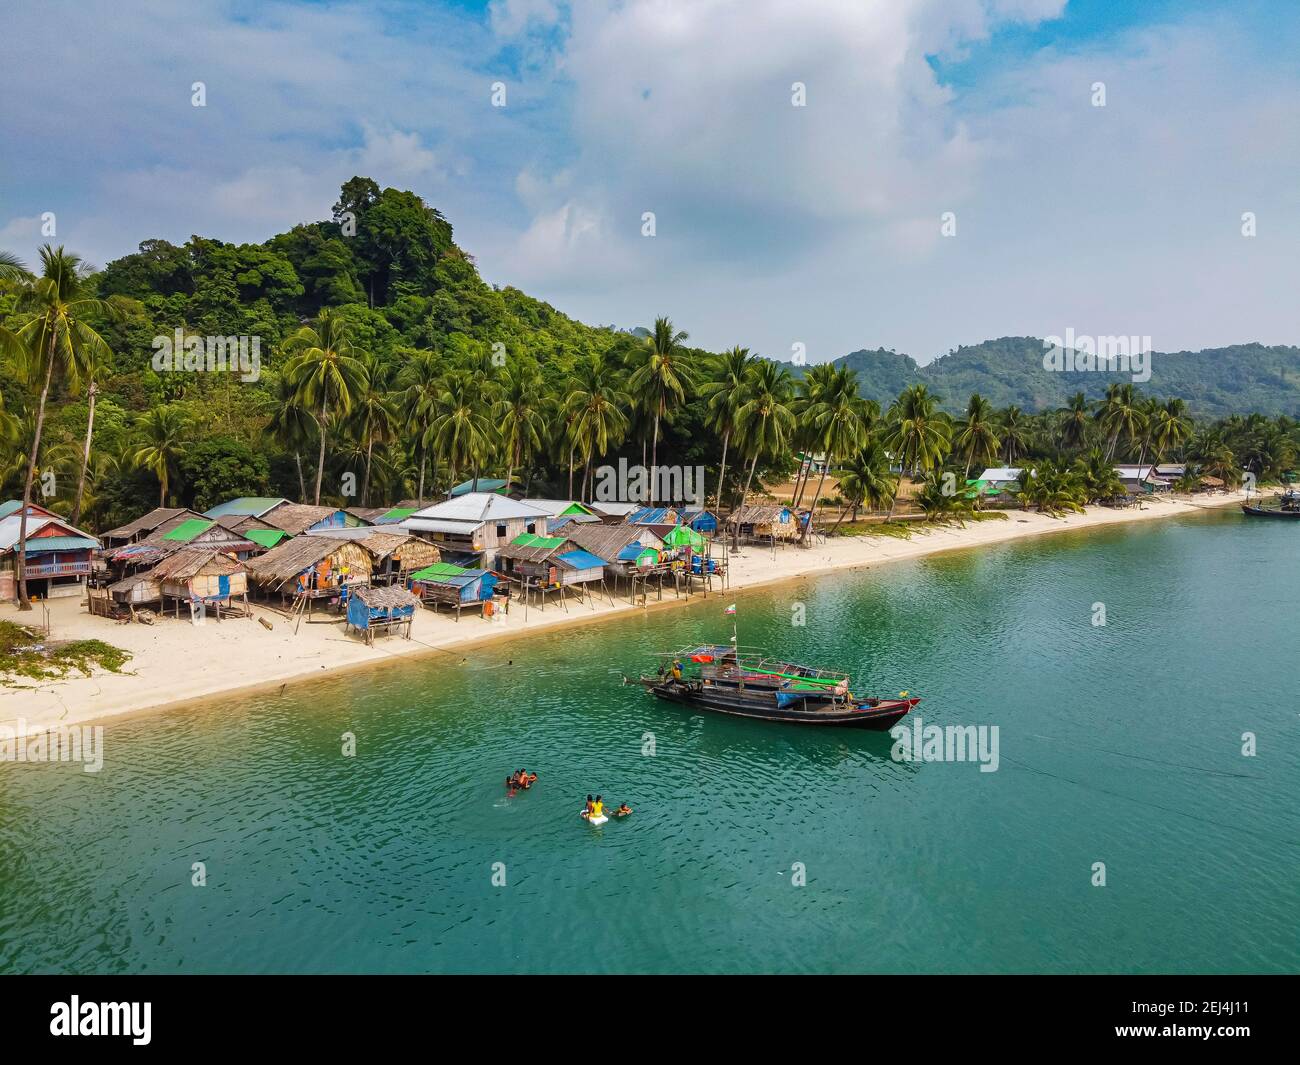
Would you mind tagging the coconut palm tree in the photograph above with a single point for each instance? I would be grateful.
(51, 335)
(867, 479)
(163, 436)
(1075, 417)
(461, 425)
(1015, 433)
(599, 419)
(976, 434)
(292, 426)
(328, 373)
(809, 391)
(422, 384)
(521, 412)
(722, 392)
(664, 377)
(916, 431)
(1100, 480)
(764, 420)
(374, 418)
(842, 419)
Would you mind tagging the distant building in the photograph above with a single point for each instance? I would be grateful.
(1141, 480)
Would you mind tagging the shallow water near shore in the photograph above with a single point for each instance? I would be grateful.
(1119, 744)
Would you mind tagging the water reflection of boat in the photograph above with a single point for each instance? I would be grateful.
(1287, 505)
(750, 684)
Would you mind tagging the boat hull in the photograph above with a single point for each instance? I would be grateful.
(878, 717)
(1269, 512)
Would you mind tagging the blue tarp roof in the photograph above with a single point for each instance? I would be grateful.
(581, 560)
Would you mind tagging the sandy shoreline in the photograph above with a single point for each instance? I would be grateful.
(174, 662)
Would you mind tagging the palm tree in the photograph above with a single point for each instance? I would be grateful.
(1099, 477)
(764, 421)
(723, 393)
(164, 435)
(663, 377)
(460, 427)
(1120, 415)
(327, 372)
(867, 479)
(51, 333)
(292, 426)
(1172, 427)
(1015, 433)
(421, 379)
(841, 419)
(374, 417)
(977, 438)
(599, 421)
(521, 410)
(810, 390)
(916, 431)
(1074, 421)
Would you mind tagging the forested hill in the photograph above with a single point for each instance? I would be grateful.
(1215, 382)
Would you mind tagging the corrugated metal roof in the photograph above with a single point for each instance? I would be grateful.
(60, 543)
(444, 525)
(264, 537)
(256, 505)
(11, 526)
(483, 484)
(187, 530)
(581, 560)
(479, 507)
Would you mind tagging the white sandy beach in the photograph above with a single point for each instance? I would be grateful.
(176, 662)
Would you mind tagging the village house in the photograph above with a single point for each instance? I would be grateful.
(470, 529)
(59, 556)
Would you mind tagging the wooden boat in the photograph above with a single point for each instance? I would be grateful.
(750, 684)
(1288, 506)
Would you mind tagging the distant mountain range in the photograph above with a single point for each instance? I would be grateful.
(1215, 382)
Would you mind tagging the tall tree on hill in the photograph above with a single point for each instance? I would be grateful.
(662, 380)
(292, 426)
(1016, 433)
(521, 410)
(809, 391)
(1075, 417)
(374, 416)
(916, 431)
(460, 427)
(52, 335)
(327, 372)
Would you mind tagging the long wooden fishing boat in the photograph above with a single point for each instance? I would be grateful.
(1288, 506)
(718, 677)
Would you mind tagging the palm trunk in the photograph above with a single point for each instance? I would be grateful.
(803, 531)
(654, 462)
(735, 529)
(302, 485)
(419, 492)
(722, 470)
(320, 465)
(841, 517)
(91, 393)
(162, 489)
(365, 485)
(571, 448)
(20, 559)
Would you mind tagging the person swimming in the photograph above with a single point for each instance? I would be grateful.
(510, 787)
(598, 808)
(587, 810)
(527, 779)
(623, 810)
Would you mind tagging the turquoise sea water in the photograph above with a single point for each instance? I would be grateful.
(1119, 744)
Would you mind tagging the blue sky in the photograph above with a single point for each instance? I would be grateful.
(775, 225)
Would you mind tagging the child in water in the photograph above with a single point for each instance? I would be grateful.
(511, 790)
(623, 810)
(587, 810)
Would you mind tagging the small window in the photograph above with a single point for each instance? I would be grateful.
(501, 532)
(532, 526)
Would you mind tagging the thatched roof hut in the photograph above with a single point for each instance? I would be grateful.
(200, 573)
(322, 562)
(765, 521)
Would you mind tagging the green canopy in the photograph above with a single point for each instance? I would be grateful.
(684, 536)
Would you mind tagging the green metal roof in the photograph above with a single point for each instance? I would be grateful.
(187, 530)
(398, 513)
(265, 537)
(533, 540)
(438, 569)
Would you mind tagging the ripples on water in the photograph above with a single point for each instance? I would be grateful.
(1119, 744)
